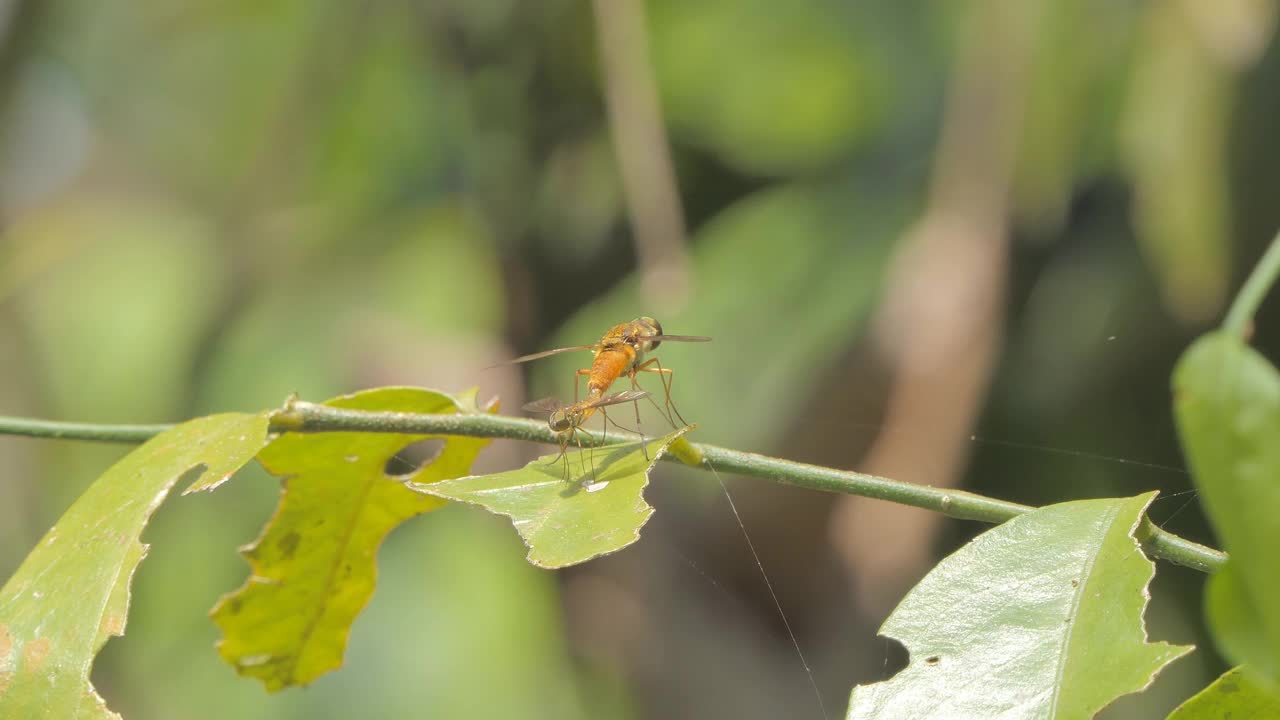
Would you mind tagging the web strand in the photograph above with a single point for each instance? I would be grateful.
(817, 694)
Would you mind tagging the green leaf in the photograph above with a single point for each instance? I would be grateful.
(597, 509)
(1227, 399)
(1040, 617)
(72, 592)
(1234, 695)
(313, 566)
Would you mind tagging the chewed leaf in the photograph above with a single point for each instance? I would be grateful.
(1227, 398)
(314, 565)
(72, 592)
(597, 510)
(1234, 695)
(1040, 617)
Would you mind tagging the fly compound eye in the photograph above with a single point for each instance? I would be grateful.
(559, 421)
(651, 328)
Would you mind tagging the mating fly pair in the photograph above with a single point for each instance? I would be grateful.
(621, 351)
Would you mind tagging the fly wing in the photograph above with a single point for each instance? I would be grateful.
(545, 353)
(618, 398)
(678, 338)
(545, 405)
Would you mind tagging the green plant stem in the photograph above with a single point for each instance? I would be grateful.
(79, 431)
(309, 417)
(1255, 288)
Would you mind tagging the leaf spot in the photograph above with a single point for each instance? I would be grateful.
(113, 624)
(288, 544)
(34, 654)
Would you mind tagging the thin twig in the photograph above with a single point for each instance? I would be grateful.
(309, 417)
(1240, 316)
(640, 143)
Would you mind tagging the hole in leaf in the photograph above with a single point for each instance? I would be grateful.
(895, 658)
(413, 457)
(191, 475)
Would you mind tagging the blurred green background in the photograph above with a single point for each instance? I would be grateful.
(976, 234)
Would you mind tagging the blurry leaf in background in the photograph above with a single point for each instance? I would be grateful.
(598, 509)
(387, 122)
(46, 138)
(114, 317)
(203, 117)
(1085, 320)
(773, 94)
(1174, 143)
(579, 199)
(439, 272)
(1227, 398)
(784, 280)
(283, 342)
(422, 298)
(1073, 102)
(72, 592)
(115, 323)
(1039, 617)
(1234, 695)
(314, 565)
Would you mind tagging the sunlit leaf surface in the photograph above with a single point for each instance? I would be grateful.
(314, 565)
(1227, 398)
(72, 592)
(1040, 617)
(1234, 695)
(568, 513)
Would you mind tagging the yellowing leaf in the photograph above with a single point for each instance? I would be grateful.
(314, 565)
(597, 510)
(72, 591)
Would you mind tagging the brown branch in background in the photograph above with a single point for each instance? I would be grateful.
(643, 153)
(939, 328)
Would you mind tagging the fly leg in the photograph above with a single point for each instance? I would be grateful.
(604, 437)
(644, 444)
(564, 453)
(667, 376)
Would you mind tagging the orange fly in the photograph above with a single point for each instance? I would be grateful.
(565, 420)
(621, 351)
